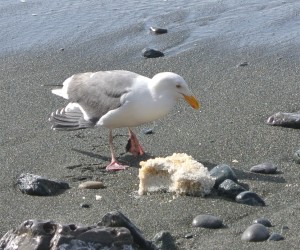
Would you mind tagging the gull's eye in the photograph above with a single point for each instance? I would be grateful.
(178, 86)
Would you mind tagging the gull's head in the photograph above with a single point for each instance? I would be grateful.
(172, 84)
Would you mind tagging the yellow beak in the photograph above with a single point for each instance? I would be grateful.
(192, 101)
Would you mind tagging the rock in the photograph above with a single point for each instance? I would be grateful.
(264, 168)
(263, 221)
(188, 236)
(243, 64)
(221, 173)
(230, 189)
(148, 131)
(85, 205)
(152, 53)
(207, 221)
(249, 198)
(284, 229)
(117, 219)
(91, 185)
(164, 241)
(275, 237)
(158, 31)
(256, 232)
(36, 185)
(291, 120)
(36, 235)
(296, 156)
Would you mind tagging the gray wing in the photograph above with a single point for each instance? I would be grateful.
(101, 92)
(96, 93)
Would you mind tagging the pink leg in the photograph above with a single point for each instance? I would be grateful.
(114, 164)
(133, 146)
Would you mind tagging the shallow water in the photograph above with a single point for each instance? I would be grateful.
(29, 24)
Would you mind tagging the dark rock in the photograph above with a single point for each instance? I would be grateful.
(296, 156)
(256, 232)
(37, 235)
(37, 185)
(164, 241)
(243, 64)
(152, 53)
(249, 198)
(263, 221)
(230, 189)
(207, 221)
(158, 31)
(291, 120)
(117, 219)
(264, 168)
(275, 237)
(148, 131)
(221, 173)
(85, 205)
(188, 236)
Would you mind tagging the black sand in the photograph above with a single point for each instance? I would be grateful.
(236, 101)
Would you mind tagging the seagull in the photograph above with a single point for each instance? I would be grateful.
(118, 99)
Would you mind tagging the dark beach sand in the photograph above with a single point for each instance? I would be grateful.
(236, 101)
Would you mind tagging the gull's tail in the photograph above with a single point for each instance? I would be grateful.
(70, 118)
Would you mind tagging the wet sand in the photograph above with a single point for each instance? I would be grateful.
(230, 128)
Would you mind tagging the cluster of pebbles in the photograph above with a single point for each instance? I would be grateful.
(226, 185)
(258, 231)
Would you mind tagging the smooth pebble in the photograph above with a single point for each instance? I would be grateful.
(188, 236)
(85, 205)
(158, 31)
(275, 237)
(264, 168)
(263, 221)
(230, 189)
(207, 221)
(250, 198)
(91, 185)
(243, 64)
(152, 53)
(256, 232)
(296, 156)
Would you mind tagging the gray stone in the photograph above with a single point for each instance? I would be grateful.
(36, 185)
(291, 120)
(221, 173)
(264, 168)
(249, 198)
(275, 237)
(158, 31)
(164, 241)
(296, 156)
(152, 53)
(256, 232)
(188, 236)
(230, 189)
(207, 221)
(263, 221)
